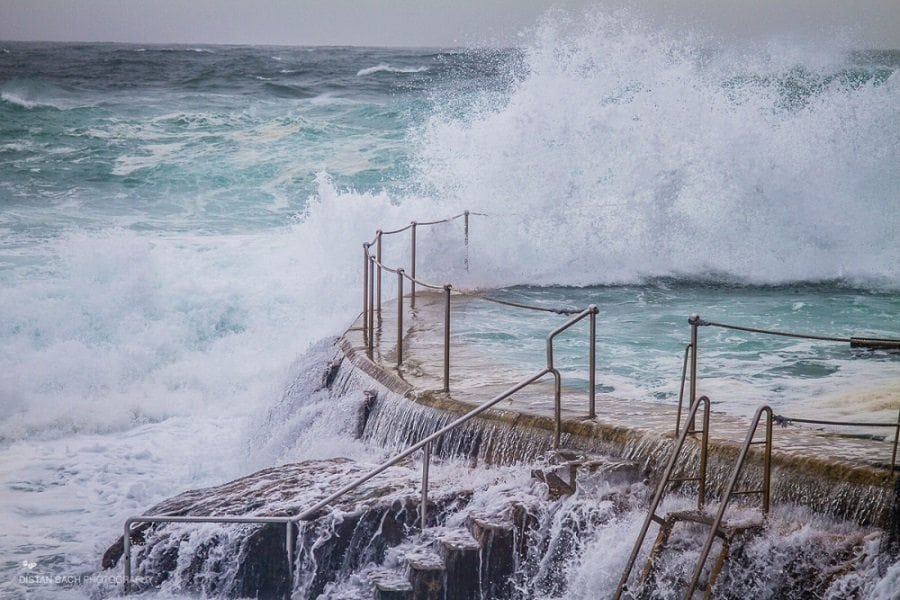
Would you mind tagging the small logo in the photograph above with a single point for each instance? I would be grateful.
(28, 564)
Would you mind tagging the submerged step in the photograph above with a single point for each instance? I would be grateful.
(427, 575)
(461, 555)
(570, 470)
(498, 558)
(390, 584)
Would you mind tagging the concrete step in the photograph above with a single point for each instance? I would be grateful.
(461, 555)
(569, 470)
(390, 584)
(427, 575)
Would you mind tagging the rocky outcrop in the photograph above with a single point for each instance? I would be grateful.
(251, 560)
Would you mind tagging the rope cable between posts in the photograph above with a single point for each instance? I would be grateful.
(785, 421)
(393, 231)
(559, 311)
(824, 338)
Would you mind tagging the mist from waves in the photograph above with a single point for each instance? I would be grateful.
(626, 153)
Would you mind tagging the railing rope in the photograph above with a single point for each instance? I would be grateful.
(783, 421)
(856, 342)
(874, 343)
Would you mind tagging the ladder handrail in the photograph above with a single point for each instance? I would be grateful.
(665, 480)
(729, 490)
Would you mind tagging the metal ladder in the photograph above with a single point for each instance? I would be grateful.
(667, 478)
(726, 533)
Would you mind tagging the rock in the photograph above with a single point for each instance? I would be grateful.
(251, 560)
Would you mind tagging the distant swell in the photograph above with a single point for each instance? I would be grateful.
(31, 94)
(280, 90)
(383, 68)
(17, 100)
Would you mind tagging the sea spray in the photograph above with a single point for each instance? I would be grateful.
(625, 153)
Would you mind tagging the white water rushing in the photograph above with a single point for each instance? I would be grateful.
(134, 363)
(626, 153)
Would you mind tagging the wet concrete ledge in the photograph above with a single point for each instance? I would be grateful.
(840, 486)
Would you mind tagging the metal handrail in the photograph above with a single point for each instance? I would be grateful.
(311, 512)
(784, 421)
(591, 311)
(696, 322)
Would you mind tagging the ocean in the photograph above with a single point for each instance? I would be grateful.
(180, 224)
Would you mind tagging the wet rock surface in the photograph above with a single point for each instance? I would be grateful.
(251, 560)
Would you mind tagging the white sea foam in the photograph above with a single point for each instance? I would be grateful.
(625, 153)
(385, 68)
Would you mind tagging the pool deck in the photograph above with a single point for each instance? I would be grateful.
(801, 456)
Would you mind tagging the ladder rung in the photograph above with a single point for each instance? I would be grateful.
(747, 492)
(680, 479)
(656, 518)
(758, 442)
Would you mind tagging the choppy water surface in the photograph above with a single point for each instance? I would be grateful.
(643, 330)
(178, 224)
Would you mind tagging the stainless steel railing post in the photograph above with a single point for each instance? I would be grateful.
(592, 360)
(447, 289)
(365, 303)
(412, 265)
(896, 439)
(126, 556)
(378, 236)
(557, 407)
(684, 367)
(591, 312)
(695, 322)
(767, 464)
(289, 548)
(423, 506)
(466, 233)
(399, 317)
(371, 307)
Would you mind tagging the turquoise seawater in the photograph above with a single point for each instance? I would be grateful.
(642, 332)
(178, 224)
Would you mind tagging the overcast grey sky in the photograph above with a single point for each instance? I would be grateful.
(865, 23)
